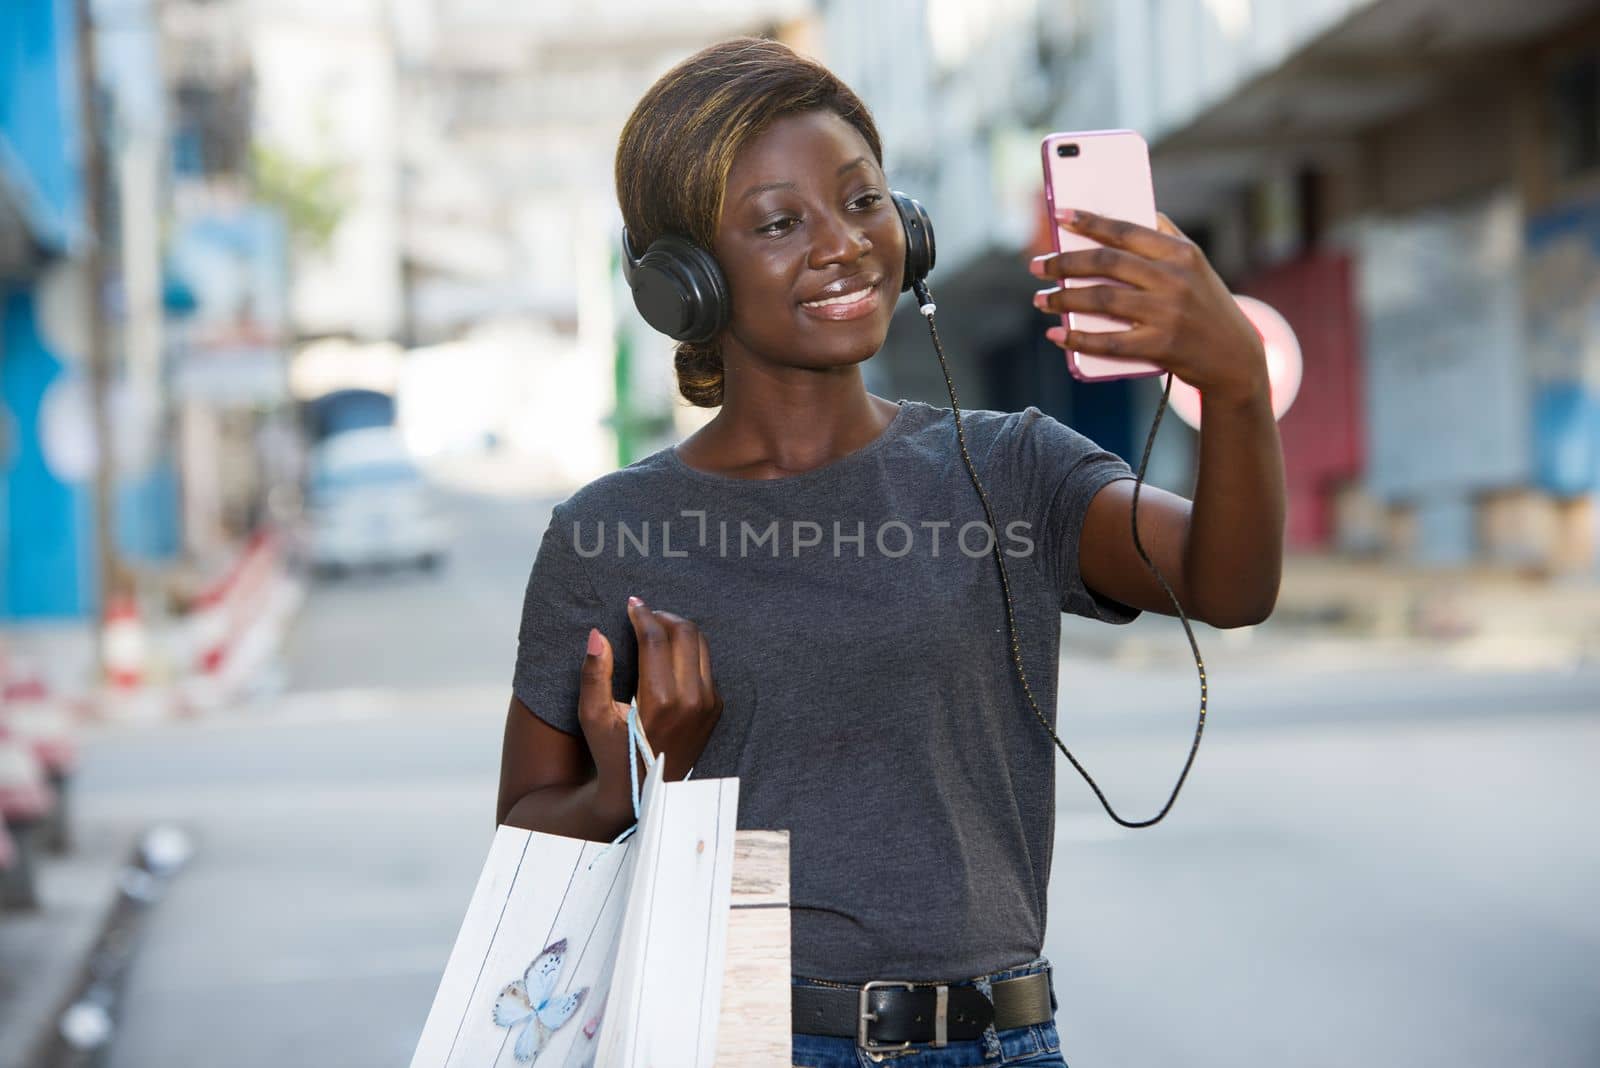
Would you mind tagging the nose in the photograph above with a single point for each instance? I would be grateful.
(837, 238)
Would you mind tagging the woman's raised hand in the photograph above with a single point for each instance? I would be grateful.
(1181, 316)
(677, 697)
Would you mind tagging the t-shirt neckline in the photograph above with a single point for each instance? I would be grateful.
(896, 427)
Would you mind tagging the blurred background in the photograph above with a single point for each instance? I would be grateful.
(309, 312)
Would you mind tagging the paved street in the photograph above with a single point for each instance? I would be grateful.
(1368, 867)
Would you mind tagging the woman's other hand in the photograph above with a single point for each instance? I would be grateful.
(679, 704)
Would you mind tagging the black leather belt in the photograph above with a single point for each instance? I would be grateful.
(884, 1015)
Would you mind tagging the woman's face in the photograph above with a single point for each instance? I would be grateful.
(811, 245)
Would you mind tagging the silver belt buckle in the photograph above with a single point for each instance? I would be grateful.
(865, 1017)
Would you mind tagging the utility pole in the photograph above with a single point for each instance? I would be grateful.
(99, 355)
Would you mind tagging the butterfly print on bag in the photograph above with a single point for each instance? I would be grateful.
(529, 1003)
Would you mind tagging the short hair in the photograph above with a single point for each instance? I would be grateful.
(678, 146)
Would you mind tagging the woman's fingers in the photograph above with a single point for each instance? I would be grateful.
(601, 718)
(1141, 343)
(1122, 234)
(1167, 226)
(1121, 302)
(594, 681)
(706, 679)
(1101, 262)
(674, 662)
(685, 643)
(678, 701)
(655, 654)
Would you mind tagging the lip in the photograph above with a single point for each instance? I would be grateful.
(865, 284)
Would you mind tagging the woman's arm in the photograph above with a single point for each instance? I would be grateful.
(548, 783)
(1223, 553)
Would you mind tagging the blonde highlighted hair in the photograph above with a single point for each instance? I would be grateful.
(679, 144)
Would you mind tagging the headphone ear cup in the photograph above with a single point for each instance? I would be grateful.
(678, 288)
(920, 248)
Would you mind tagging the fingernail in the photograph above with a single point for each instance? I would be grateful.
(634, 602)
(595, 644)
(1036, 266)
(1066, 216)
(1040, 297)
(1058, 334)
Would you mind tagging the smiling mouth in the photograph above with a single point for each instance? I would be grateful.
(844, 299)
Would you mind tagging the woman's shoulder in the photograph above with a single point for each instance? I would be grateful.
(646, 480)
(990, 432)
(987, 420)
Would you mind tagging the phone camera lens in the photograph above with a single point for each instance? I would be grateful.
(1066, 150)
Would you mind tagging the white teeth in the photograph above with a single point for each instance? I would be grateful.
(849, 298)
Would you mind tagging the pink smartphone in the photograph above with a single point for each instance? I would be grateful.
(1106, 172)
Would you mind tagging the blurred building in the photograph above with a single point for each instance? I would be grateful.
(1414, 184)
(510, 120)
(46, 555)
(232, 218)
(49, 456)
(468, 148)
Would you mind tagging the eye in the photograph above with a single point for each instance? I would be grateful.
(778, 226)
(867, 201)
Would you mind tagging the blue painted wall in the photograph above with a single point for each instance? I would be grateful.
(49, 566)
(1562, 295)
(39, 148)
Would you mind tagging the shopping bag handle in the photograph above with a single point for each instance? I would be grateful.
(638, 745)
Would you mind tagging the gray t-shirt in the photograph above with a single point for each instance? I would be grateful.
(857, 631)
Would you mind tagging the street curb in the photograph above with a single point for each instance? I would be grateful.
(81, 1027)
(29, 1035)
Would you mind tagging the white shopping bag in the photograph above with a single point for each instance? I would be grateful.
(578, 953)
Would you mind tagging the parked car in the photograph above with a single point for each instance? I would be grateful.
(369, 505)
(345, 410)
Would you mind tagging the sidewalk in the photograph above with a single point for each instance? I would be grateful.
(1335, 614)
(1332, 616)
(209, 660)
(42, 953)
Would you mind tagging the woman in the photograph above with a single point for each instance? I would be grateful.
(804, 592)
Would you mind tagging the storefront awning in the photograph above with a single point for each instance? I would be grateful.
(30, 229)
(1387, 59)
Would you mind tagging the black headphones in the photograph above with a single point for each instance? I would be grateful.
(679, 289)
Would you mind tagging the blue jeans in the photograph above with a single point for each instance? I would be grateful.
(1037, 1046)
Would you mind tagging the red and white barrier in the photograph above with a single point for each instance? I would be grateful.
(127, 653)
(31, 712)
(150, 671)
(43, 726)
(237, 625)
(25, 793)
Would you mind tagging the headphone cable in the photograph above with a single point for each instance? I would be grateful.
(927, 308)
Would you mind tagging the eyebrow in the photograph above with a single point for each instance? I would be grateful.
(767, 187)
